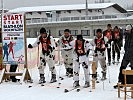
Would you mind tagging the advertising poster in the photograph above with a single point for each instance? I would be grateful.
(13, 38)
(0, 56)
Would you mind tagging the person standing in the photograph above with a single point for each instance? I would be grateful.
(108, 34)
(117, 39)
(47, 54)
(99, 52)
(81, 52)
(67, 54)
(128, 56)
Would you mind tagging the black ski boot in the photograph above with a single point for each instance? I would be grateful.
(67, 71)
(76, 84)
(53, 79)
(113, 62)
(116, 86)
(42, 79)
(70, 72)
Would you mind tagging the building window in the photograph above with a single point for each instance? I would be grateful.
(61, 32)
(74, 32)
(85, 32)
(94, 32)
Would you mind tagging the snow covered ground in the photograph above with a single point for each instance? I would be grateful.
(104, 90)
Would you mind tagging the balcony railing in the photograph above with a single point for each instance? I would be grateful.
(76, 18)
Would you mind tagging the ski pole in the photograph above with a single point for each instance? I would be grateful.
(109, 74)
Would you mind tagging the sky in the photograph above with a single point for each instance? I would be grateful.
(11, 4)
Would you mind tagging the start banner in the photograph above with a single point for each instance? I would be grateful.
(13, 38)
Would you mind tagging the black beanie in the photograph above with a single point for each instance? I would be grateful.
(79, 37)
(42, 30)
(67, 30)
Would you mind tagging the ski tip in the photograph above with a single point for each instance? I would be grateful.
(58, 87)
(66, 91)
(42, 84)
(29, 86)
(78, 90)
(90, 91)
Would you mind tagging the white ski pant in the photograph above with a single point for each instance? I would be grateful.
(102, 60)
(68, 58)
(49, 59)
(83, 60)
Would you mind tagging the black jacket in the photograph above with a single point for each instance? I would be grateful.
(128, 46)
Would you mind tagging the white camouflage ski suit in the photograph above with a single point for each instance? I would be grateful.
(67, 54)
(99, 53)
(81, 59)
(48, 55)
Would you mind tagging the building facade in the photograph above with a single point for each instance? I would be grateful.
(74, 17)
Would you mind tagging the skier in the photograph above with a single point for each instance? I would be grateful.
(99, 52)
(108, 34)
(67, 54)
(81, 52)
(47, 54)
(128, 56)
(117, 43)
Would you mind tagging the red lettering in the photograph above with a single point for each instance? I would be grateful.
(13, 22)
(16, 17)
(16, 22)
(4, 22)
(20, 17)
(8, 22)
(12, 17)
(4, 18)
(8, 17)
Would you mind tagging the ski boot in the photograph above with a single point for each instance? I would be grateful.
(113, 62)
(103, 76)
(76, 84)
(70, 72)
(87, 84)
(109, 63)
(14, 79)
(53, 79)
(116, 86)
(42, 79)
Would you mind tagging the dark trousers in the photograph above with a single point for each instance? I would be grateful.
(116, 49)
(13, 68)
(124, 64)
(109, 54)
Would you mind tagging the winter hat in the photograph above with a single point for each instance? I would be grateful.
(67, 30)
(42, 30)
(79, 37)
(128, 27)
(99, 30)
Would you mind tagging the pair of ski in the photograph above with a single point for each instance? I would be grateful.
(77, 89)
(44, 84)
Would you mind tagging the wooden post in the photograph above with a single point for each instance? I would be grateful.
(93, 74)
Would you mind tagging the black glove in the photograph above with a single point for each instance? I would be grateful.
(30, 46)
(106, 45)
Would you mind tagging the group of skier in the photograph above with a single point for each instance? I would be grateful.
(75, 51)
